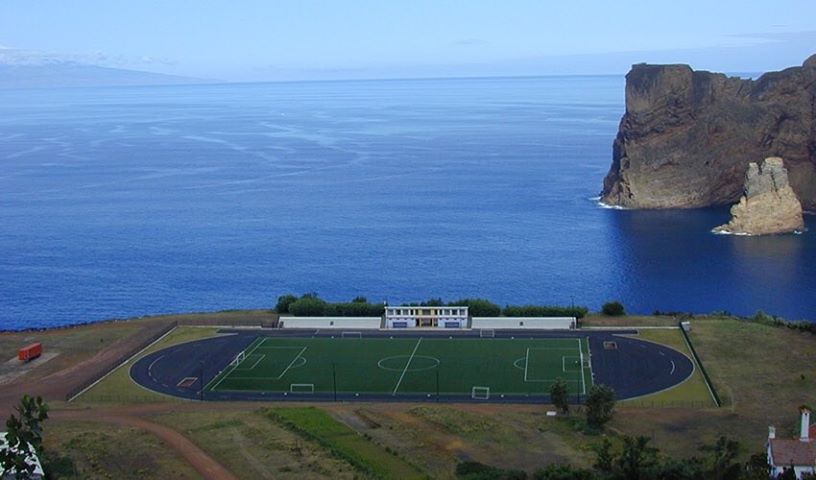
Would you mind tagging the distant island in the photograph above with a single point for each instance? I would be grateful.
(687, 137)
(73, 74)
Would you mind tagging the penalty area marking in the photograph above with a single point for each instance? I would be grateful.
(255, 344)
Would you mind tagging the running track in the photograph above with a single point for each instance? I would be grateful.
(635, 368)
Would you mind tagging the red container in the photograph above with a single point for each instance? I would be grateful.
(30, 352)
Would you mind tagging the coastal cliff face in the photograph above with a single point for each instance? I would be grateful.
(768, 204)
(687, 136)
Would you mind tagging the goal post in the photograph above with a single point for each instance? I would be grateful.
(301, 388)
(480, 393)
(487, 333)
(238, 358)
(351, 334)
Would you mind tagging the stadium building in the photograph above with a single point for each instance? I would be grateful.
(406, 316)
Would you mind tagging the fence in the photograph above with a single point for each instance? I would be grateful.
(646, 403)
(229, 322)
(141, 340)
(699, 362)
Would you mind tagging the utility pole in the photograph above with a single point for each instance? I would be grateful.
(201, 378)
(437, 384)
(334, 379)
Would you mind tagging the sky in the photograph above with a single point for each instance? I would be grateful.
(255, 40)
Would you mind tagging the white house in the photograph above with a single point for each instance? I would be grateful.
(798, 454)
(32, 459)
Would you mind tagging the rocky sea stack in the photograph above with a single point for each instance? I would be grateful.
(687, 136)
(768, 204)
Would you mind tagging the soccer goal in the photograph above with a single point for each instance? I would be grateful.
(301, 388)
(487, 333)
(480, 393)
(238, 358)
(351, 334)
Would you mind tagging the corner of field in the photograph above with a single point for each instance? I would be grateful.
(119, 387)
(690, 393)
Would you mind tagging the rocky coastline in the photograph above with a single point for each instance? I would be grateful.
(687, 137)
(768, 204)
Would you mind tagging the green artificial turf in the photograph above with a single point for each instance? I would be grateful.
(409, 366)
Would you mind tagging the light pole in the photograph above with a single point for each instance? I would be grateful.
(201, 378)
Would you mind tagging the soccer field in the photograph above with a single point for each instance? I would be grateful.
(480, 368)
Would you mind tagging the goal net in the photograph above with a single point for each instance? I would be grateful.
(301, 388)
(351, 334)
(238, 358)
(487, 333)
(480, 393)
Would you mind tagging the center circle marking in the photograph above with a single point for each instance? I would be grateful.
(419, 363)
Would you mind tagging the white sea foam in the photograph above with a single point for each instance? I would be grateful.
(601, 204)
(726, 232)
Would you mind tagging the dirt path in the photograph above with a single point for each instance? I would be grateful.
(197, 458)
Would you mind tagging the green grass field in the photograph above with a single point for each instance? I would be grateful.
(478, 368)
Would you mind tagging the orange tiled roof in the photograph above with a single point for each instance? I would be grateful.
(786, 452)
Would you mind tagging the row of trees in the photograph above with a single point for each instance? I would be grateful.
(634, 458)
(310, 305)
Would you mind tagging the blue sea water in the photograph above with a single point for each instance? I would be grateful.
(119, 202)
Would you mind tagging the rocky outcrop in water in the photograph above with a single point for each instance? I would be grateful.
(768, 204)
(687, 136)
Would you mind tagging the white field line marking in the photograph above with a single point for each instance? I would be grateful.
(589, 363)
(255, 346)
(526, 363)
(292, 362)
(257, 362)
(408, 364)
(150, 368)
(673, 367)
(581, 352)
(564, 363)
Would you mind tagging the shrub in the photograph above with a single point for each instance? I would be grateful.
(283, 303)
(544, 311)
(308, 306)
(480, 471)
(479, 307)
(613, 309)
(600, 404)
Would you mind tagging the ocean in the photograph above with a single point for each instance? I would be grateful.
(122, 202)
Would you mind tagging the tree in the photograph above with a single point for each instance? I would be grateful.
(604, 458)
(359, 299)
(600, 404)
(613, 309)
(23, 437)
(559, 395)
(283, 303)
(308, 305)
(757, 467)
(479, 307)
(637, 459)
(721, 460)
(564, 472)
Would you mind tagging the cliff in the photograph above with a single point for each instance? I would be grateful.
(688, 136)
(768, 204)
